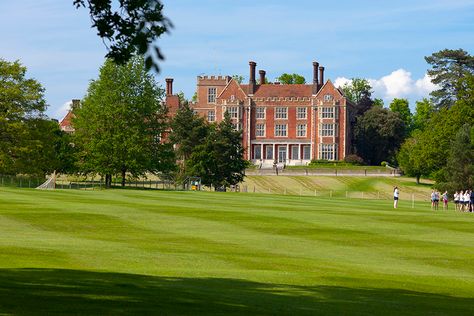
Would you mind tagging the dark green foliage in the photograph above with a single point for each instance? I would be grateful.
(354, 159)
(120, 123)
(378, 133)
(188, 131)
(448, 67)
(291, 79)
(427, 151)
(219, 161)
(27, 137)
(459, 170)
(129, 27)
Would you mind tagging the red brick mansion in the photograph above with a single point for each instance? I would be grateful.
(289, 123)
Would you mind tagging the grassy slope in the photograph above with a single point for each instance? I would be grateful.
(136, 252)
(373, 187)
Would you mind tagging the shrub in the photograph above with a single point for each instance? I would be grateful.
(384, 164)
(354, 160)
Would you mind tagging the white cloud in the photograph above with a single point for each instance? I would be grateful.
(62, 111)
(341, 81)
(398, 84)
(425, 86)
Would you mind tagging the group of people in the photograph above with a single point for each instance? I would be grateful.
(463, 200)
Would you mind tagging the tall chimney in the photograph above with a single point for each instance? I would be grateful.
(262, 76)
(252, 82)
(321, 76)
(169, 86)
(315, 77)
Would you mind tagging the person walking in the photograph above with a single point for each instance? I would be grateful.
(456, 200)
(445, 200)
(433, 199)
(395, 197)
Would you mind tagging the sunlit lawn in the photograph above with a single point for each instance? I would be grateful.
(196, 253)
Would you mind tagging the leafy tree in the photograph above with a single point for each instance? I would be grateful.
(448, 67)
(378, 103)
(120, 122)
(423, 112)
(181, 97)
(359, 92)
(402, 107)
(412, 159)
(291, 79)
(378, 133)
(459, 171)
(128, 27)
(219, 161)
(357, 89)
(238, 78)
(435, 140)
(24, 129)
(188, 130)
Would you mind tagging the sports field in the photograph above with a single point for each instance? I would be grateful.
(201, 253)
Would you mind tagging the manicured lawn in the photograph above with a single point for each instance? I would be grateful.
(200, 253)
(353, 186)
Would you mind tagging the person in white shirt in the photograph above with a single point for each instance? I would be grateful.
(395, 197)
(467, 197)
(456, 200)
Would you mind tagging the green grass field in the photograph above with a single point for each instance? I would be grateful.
(353, 186)
(201, 253)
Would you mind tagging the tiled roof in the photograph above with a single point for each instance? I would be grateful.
(281, 90)
(67, 120)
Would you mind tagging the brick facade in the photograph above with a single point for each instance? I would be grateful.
(291, 124)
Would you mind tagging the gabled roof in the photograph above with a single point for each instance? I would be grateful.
(233, 84)
(67, 120)
(329, 85)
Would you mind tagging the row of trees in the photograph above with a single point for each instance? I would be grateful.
(435, 141)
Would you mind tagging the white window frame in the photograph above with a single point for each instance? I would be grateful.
(260, 130)
(211, 94)
(281, 130)
(328, 98)
(281, 113)
(233, 112)
(260, 112)
(301, 113)
(327, 112)
(211, 116)
(328, 151)
(327, 129)
(237, 126)
(301, 130)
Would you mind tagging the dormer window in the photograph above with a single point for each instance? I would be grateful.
(328, 97)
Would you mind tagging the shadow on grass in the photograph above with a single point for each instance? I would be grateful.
(74, 292)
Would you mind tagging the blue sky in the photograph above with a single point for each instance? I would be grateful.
(384, 41)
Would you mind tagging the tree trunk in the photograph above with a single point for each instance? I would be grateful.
(108, 181)
(124, 170)
(417, 179)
